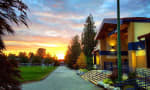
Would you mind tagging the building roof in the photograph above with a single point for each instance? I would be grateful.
(112, 22)
(143, 36)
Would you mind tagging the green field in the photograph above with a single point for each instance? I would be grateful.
(34, 73)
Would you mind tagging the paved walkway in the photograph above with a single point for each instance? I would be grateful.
(61, 79)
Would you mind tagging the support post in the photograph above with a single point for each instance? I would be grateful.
(118, 42)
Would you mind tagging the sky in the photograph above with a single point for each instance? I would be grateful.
(52, 23)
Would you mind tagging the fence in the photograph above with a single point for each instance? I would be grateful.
(143, 77)
(141, 81)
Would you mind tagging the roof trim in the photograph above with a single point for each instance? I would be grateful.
(122, 21)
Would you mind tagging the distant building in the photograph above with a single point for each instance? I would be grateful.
(135, 42)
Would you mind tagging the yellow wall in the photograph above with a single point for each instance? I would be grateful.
(140, 62)
(106, 45)
(93, 59)
(97, 58)
(131, 54)
(132, 60)
(137, 58)
(141, 58)
(131, 32)
(141, 29)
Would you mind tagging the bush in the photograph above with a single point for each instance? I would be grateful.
(48, 61)
(9, 74)
(56, 63)
(84, 70)
(81, 62)
(108, 81)
(36, 60)
(132, 75)
(75, 66)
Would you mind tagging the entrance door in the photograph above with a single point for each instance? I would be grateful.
(147, 39)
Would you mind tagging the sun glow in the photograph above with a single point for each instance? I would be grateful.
(15, 47)
(60, 56)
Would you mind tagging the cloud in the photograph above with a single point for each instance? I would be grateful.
(54, 22)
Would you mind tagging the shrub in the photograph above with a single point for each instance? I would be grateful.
(36, 59)
(81, 62)
(108, 81)
(84, 70)
(132, 75)
(56, 63)
(75, 66)
(9, 74)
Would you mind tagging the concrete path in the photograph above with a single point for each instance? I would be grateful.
(61, 79)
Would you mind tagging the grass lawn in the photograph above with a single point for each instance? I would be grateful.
(35, 73)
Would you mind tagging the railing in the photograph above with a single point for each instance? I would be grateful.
(141, 82)
(143, 77)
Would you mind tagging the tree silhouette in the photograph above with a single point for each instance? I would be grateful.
(41, 52)
(23, 58)
(9, 74)
(11, 12)
(73, 52)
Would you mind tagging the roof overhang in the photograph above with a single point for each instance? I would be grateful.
(110, 24)
(143, 36)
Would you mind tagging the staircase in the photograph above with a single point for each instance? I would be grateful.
(95, 76)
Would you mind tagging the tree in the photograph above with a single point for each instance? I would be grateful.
(11, 11)
(48, 59)
(23, 57)
(41, 52)
(74, 51)
(55, 59)
(81, 62)
(9, 74)
(36, 59)
(88, 42)
(30, 55)
(11, 57)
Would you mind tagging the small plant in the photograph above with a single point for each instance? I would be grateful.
(84, 70)
(124, 77)
(128, 87)
(132, 75)
(108, 81)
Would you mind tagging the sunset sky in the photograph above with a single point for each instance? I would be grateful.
(52, 23)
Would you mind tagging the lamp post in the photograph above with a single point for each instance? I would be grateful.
(118, 42)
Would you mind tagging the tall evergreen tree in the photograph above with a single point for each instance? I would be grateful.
(73, 52)
(88, 42)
